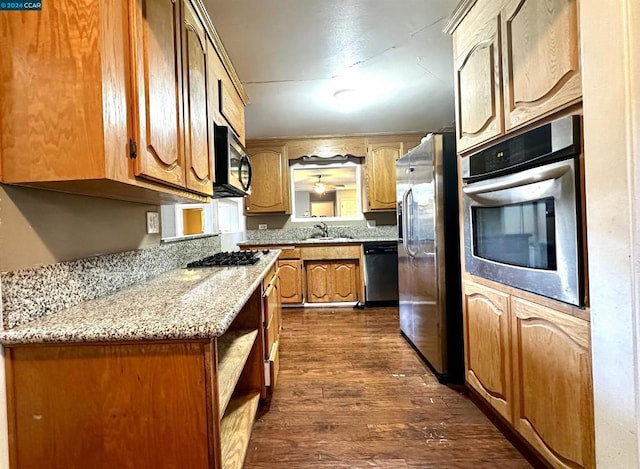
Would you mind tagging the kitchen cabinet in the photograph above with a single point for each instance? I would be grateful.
(381, 175)
(291, 281)
(162, 404)
(553, 398)
(171, 124)
(119, 104)
(515, 63)
(486, 344)
(270, 182)
(331, 281)
(532, 364)
(272, 324)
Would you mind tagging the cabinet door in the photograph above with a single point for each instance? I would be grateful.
(553, 390)
(381, 175)
(270, 184)
(486, 341)
(290, 281)
(318, 282)
(198, 135)
(541, 58)
(158, 81)
(344, 284)
(478, 88)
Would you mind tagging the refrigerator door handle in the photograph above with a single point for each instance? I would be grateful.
(410, 224)
(405, 221)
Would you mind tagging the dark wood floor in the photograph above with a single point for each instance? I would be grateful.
(353, 394)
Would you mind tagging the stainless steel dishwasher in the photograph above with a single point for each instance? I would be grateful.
(380, 273)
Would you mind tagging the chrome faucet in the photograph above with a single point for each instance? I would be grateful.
(322, 226)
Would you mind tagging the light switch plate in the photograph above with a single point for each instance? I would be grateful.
(153, 222)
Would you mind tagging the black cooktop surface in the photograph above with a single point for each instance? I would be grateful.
(229, 259)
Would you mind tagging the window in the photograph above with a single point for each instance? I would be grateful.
(327, 191)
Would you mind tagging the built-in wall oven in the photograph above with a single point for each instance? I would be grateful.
(521, 202)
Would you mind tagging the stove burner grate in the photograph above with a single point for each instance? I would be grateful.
(223, 259)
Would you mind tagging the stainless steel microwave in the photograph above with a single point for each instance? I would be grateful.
(232, 165)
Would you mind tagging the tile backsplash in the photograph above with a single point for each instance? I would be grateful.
(355, 232)
(39, 291)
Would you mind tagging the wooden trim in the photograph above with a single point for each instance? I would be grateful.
(220, 50)
(458, 14)
(580, 313)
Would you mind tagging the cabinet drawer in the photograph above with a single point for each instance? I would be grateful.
(274, 364)
(271, 336)
(331, 252)
(289, 253)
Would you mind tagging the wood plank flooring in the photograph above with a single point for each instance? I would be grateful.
(353, 394)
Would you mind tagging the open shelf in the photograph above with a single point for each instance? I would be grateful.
(234, 348)
(235, 429)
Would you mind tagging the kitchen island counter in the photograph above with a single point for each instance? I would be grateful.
(181, 304)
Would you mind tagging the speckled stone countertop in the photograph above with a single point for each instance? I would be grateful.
(179, 304)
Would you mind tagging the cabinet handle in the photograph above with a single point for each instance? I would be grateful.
(133, 149)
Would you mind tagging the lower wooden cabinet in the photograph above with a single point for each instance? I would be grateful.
(331, 281)
(161, 404)
(487, 356)
(272, 324)
(553, 396)
(532, 364)
(291, 281)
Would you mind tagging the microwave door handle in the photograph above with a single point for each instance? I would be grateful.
(244, 161)
(529, 176)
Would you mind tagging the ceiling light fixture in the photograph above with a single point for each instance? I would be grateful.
(319, 187)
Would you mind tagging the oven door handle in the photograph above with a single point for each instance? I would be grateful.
(530, 176)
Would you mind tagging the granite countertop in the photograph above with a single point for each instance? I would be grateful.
(179, 304)
(289, 242)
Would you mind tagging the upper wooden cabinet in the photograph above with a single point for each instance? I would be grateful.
(541, 58)
(381, 175)
(270, 181)
(171, 123)
(514, 64)
(119, 102)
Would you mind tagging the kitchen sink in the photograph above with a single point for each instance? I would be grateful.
(328, 239)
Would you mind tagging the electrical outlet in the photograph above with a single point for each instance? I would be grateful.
(262, 226)
(153, 222)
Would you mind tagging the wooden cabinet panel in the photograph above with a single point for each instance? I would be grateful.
(552, 376)
(344, 281)
(290, 281)
(106, 398)
(158, 79)
(541, 58)
(479, 114)
(318, 281)
(487, 349)
(381, 175)
(270, 183)
(332, 281)
(198, 130)
(232, 107)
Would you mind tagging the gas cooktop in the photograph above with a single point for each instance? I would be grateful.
(229, 259)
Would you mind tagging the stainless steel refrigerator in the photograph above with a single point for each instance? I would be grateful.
(429, 255)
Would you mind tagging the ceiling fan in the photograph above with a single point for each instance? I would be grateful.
(320, 187)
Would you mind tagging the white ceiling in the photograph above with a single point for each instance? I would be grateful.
(292, 55)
